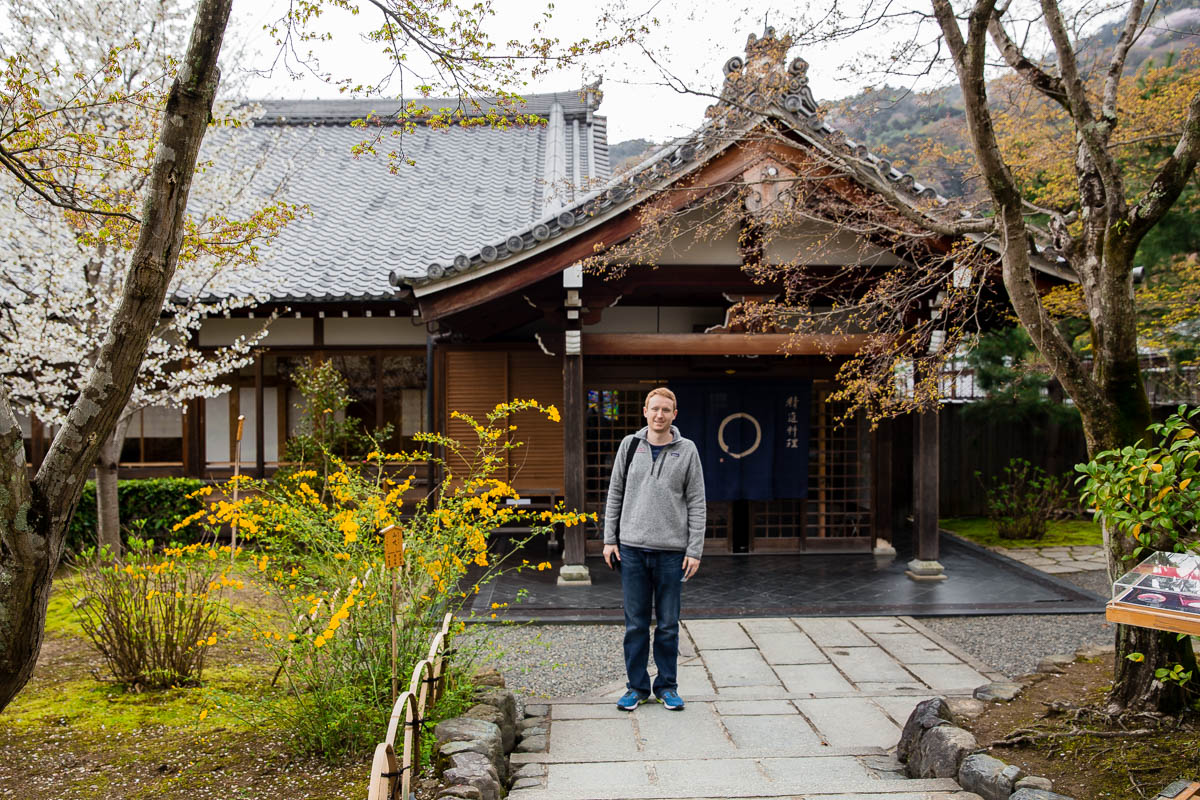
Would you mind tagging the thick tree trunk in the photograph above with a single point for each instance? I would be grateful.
(34, 515)
(108, 502)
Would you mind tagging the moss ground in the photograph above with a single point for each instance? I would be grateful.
(1086, 758)
(1060, 533)
(70, 735)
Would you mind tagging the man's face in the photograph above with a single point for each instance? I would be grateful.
(660, 413)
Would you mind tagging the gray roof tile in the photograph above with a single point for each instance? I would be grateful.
(468, 186)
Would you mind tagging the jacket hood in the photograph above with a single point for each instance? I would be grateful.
(645, 431)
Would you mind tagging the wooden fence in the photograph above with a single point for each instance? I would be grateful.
(392, 772)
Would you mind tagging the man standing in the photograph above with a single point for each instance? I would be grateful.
(654, 529)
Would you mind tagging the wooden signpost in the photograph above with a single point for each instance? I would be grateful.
(393, 559)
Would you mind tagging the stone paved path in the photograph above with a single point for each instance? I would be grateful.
(1057, 560)
(781, 708)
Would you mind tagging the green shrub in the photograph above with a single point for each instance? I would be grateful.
(1024, 499)
(152, 615)
(1150, 492)
(160, 502)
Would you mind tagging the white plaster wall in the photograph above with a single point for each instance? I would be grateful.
(283, 331)
(159, 422)
(216, 428)
(656, 319)
(372, 331)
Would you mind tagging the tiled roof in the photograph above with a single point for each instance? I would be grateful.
(741, 109)
(364, 222)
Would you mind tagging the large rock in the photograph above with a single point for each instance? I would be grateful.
(460, 792)
(988, 777)
(998, 691)
(533, 744)
(479, 736)
(1055, 664)
(505, 702)
(488, 677)
(1037, 794)
(965, 707)
(941, 752)
(1034, 782)
(927, 714)
(488, 713)
(485, 780)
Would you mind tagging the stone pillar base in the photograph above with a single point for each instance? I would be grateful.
(574, 575)
(884, 552)
(920, 570)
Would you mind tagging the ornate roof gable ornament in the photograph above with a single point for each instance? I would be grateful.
(765, 78)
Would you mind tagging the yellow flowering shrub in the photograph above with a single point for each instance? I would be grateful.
(322, 561)
(153, 615)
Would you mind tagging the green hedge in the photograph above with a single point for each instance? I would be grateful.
(161, 502)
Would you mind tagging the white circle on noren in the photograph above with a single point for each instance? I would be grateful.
(757, 434)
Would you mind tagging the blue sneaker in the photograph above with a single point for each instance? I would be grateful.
(671, 699)
(631, 700)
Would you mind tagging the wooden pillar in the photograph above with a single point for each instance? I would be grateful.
(573, 571)
(925, 566)
(573, 458)
(260, 428)
(881, 488)
(193, 438)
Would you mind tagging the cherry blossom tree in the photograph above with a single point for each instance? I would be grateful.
(63, 274)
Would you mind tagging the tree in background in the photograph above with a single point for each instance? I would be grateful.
(63, 271)
(52, 164)
(919, 314)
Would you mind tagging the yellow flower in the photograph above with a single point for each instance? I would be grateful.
(212, 639)
(203, 714)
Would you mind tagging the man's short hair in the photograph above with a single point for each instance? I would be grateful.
(662, 391)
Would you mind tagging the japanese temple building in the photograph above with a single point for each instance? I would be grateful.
(457, 284)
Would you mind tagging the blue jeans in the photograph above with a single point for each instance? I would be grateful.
(651, 577)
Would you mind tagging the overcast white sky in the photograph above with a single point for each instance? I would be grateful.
(693, 39)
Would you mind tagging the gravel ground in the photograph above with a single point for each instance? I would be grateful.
(566, 660)
(557, 660)
(1014, 644)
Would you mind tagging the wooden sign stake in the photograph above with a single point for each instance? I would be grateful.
(237, 470)
(393, 559)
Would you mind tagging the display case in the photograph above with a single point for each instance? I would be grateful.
(1162, 592)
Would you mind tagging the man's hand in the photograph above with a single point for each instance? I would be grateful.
(611, 551)
(690, 566)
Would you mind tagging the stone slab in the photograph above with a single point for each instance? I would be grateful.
(565, 711)
(832, 632)
(740, 708)
(899, 708)
(788, 648)
(693, 681)
(600, 738)
(751, 692)
(694, 733)
(789, 735)
(867, 664)
(739, 668)
(913, 648)
(768, 625)
(813, 679)
(850, 722)
(628, 779)
(873, 625)
(958, 678)
(885, 688)
(717, 634)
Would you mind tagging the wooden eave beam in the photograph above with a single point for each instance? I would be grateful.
(720, 344)
(724, 169)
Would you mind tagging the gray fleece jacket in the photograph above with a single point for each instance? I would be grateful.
(661, 502)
